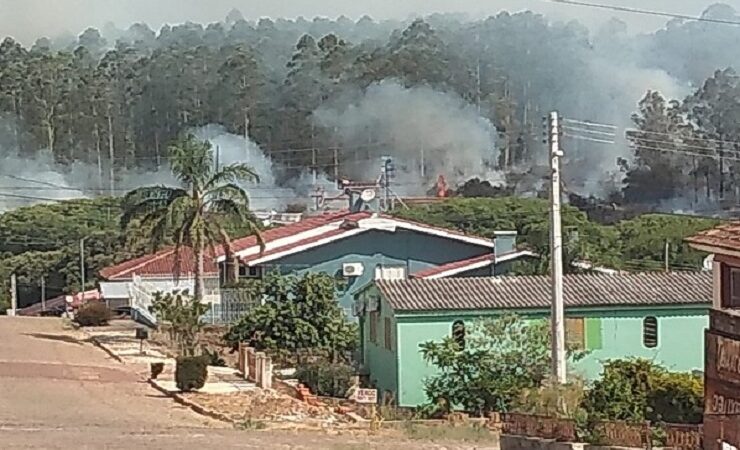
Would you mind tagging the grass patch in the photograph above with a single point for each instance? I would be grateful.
(464, 432)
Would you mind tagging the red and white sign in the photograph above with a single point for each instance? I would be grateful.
(366, 396)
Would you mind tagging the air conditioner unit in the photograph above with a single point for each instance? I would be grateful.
(352, 269)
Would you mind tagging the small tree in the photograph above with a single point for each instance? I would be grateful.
(298, 313)
(498, 360)
(182, 313)
(638, 389)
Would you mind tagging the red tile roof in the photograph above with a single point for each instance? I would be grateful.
(281, 240)
(723, 237)
(645, 289)
(461, 264)
(464, 265)
(160, 264)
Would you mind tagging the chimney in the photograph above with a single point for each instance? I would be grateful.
(504, 242)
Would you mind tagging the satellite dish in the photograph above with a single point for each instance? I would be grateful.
(708, 262)
(367, 195)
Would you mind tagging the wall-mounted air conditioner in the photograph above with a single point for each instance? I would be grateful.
(352, 269)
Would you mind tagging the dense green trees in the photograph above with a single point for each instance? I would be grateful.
(117, 99)
(298, 314)
(636, 244)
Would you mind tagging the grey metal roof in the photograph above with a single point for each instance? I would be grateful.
(521, 292)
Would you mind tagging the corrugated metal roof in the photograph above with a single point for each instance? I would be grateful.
(526, 292)
(725, 237)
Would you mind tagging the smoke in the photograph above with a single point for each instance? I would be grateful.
(267, 194)
(426, 132)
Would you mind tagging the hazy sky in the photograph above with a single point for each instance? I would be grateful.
(28, 19)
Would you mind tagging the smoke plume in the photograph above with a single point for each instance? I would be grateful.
(426, 132)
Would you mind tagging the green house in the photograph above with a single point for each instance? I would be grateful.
(659, 316)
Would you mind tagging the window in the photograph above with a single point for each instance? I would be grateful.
(374, 327)
(458, 333)
(249, 272)
(733, 300)
(650, 332)
(575, 333)
(388, 330)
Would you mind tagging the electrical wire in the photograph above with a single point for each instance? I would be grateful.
(644, 12)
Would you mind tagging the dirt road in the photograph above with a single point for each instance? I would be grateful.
(59, 392)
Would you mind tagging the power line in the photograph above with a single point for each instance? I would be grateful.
(644, 12)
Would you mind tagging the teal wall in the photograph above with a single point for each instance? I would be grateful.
(415, 251)
(384, 361)
(608, 334)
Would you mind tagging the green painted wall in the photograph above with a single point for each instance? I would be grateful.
(374, 354)
(608, 334)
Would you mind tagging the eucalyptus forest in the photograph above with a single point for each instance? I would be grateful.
(442, 94)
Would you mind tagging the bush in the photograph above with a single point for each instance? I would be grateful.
(191, 372)
(638, 389)
(94, 314)
(325, 378)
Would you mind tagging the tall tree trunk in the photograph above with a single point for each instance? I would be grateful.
(111, 155)
(199, 262)
(98, 150)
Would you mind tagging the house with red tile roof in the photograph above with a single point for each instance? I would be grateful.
(355, 247)
(659, 316)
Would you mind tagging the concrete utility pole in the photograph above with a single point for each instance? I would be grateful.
(82, 267)
(13, 295)
(43, 293)
(556, 254)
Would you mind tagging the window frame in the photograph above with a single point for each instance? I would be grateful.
(575, 333)
(647, 341)
(732, 299)
(458, 333)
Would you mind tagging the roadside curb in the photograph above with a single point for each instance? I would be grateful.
(190, 404)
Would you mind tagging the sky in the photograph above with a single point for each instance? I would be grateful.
(26, 20)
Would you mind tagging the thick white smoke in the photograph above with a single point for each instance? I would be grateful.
(428, 133)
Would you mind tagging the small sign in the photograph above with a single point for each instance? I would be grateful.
(142, 333)
(369, 396)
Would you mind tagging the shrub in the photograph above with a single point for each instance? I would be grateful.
(191, 372)
(638, 389)
(94, 314)
(325, 378)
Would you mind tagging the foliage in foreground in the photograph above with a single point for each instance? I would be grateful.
(500, 358)
(181, 316)
(326, 378)
(299, 313)
(94, 314)
(637, 389)
(191, 372)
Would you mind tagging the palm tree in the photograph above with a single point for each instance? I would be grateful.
(196, 214)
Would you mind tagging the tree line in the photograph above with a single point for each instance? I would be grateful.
(117, 99)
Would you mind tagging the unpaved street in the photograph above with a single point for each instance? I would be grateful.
(59, 392)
